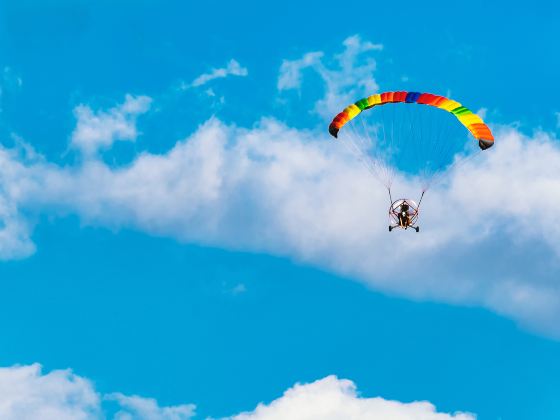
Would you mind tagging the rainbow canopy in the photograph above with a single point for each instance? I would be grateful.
(473, 122)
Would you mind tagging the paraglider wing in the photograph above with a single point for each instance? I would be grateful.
(470, 120)
(396, 136)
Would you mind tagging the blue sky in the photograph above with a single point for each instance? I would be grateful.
(177, 225)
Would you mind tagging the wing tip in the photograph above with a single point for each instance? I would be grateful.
(485, 144)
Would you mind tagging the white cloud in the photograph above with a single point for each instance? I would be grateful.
(335, 399)
(15, 231)
(346, 76)
(292, 193)
(15, 226)
(99, 130)
(489, 234)
(27, 393)
(233, 68)
(291, 70)
(139, 408)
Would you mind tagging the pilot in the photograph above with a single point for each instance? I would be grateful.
(404, 216)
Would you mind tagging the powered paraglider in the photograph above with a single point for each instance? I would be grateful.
(420, 142)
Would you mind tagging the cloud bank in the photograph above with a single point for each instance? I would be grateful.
(489, 232)
(28, 393)
(298, 194)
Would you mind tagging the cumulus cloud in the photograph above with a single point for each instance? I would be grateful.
(233, 68)
(334, 399)
(346, 76)
(298, 194)
(28, 393)
(99, 130)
